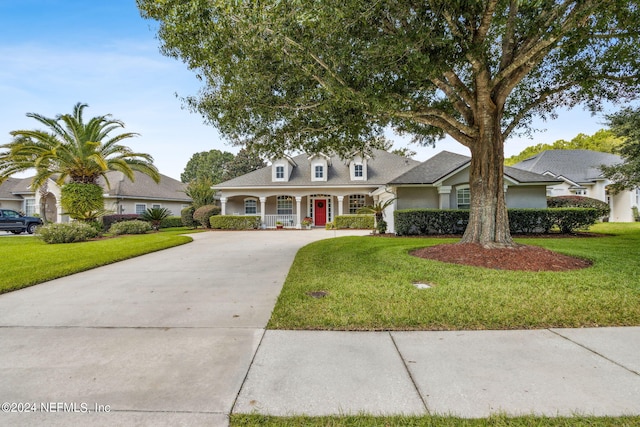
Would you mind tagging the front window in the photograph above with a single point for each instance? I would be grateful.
(357, 171)
(464, 198)
(319, 171)
(284, 205)
(356, 202)
(250, 207)
(29, 207)
(279, 172)
(140, 208)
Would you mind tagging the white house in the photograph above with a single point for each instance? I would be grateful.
(579, 174)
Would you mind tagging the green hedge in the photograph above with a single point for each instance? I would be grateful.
(235, 222)
(579, 202)
(204, 213)
(186, 216)
(130, 227)
(430, 221)
(354, 221)
(170, 222)
(527, 221)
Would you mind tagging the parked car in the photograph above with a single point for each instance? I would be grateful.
(17, 223)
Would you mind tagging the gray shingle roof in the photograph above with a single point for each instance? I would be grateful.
(576, 165)
(381, 168)
(144, 187)
(445, 162)
(433, 169)
(12, 187)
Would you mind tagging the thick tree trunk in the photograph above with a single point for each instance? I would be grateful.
(488, 220)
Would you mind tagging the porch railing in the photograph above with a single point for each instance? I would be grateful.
(288, 221)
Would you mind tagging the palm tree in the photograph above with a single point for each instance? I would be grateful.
(155, 216)
(378, 209)
(72, 150)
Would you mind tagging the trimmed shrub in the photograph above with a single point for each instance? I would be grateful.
(66, 232)
(579, 202)
(171, 222)
(109, 220)
(569, 220)
(330, 226)
(203, 213)
(434, 221)
(529, 221)
(186, 216)
(354, 221)
(78, 199)
(130, 227)
(234, 222)
(410, 222)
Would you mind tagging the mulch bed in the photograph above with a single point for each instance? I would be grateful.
(520, 258)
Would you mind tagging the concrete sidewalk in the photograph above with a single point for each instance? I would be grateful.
(177, 338)
(463, 373)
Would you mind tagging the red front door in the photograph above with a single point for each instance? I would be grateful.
(320, 212)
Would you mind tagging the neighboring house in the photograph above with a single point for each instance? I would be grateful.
(322, 187)
(121, 196)
(579, 174)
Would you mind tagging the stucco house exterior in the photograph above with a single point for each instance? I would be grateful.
(442, 182)
(321, 187)
(578, 173)
(121, 196)
(317, 186)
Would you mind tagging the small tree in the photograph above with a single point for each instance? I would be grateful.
(155, 216)
(625, 176)
(378, 209)
(200, 192)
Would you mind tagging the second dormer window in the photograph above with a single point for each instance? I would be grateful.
(357, 170)
(279, 172)
(319, 171)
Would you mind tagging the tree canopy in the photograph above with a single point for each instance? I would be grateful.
(625, 124)
(325, 76)
(603, 140)
(73, 149)
(209, 165)
(244, 162)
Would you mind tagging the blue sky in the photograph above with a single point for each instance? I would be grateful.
(55, 53)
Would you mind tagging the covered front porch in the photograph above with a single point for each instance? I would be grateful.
(290, 210)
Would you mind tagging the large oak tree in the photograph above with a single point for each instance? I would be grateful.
(318, 75)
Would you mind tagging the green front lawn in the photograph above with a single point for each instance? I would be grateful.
(26, 261)
(369, 281)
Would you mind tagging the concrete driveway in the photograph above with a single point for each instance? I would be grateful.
(165, 339)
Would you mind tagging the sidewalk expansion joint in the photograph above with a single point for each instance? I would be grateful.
(595, 352)
(244, 380)
(406, 367)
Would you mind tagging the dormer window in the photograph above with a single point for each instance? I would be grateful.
(282, 169)
(319, 164)
(358, 168)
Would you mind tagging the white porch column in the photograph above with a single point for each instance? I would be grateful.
(445, 201)
(298, 202)
(340, 207)
(223, 205)
(263, 201)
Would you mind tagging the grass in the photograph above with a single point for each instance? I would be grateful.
(239, 420)
(370, 287)
(26, 261)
